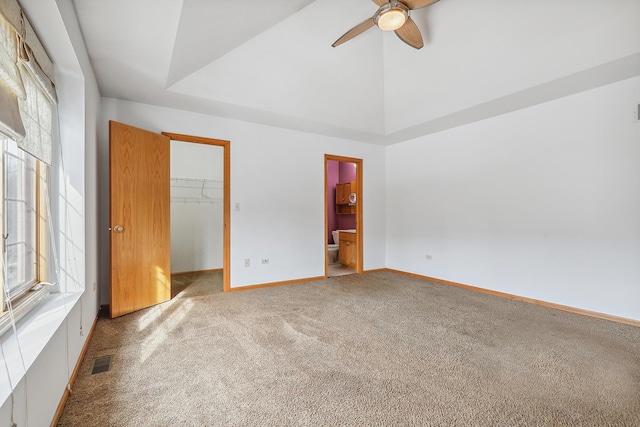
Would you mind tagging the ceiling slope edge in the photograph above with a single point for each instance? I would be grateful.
(189, 103)
(614, 71)
(195, 30)
(611, 72)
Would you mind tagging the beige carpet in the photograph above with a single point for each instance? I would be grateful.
(379, 349)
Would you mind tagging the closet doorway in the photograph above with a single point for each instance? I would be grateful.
(200, 208)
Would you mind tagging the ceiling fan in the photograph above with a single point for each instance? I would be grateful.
(392, 15)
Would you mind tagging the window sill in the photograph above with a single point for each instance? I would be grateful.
(35, 330)
(22, 307)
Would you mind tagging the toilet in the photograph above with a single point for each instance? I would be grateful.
(333, 249)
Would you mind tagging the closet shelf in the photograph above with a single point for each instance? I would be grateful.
(196, 190)
(196, 200)
(185, 182)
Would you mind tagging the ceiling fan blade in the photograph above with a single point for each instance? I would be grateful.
(355, 31)
(417, 4)
(410, 34)
(380, 2)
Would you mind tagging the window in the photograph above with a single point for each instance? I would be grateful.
(28, 99)
(24, 227)
(19, 214)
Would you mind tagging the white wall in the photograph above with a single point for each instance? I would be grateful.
(543, 202)
(52, 336)
(277, 177)
(197, 214)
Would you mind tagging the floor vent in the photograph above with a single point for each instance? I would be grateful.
(101, 364)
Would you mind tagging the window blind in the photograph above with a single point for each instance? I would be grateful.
(10, 83)
(27, 86)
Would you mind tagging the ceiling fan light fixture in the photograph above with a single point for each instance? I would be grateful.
(391, 16)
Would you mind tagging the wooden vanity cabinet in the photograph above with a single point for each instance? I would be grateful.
(348, 249)
(343, 190)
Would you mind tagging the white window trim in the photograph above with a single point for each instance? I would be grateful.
(23, 305)
(36, 329)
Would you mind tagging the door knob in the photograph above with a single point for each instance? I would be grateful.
(118, 229)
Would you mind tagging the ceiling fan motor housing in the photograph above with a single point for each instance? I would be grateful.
(391, 16)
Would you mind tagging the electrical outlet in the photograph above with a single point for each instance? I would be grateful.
(247, 262)
(264, 261)
(429, 258)
(94, 286)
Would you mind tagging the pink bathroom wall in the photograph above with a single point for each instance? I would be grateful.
(346, 221)
(333, 176)
(347, 174)
(338, 172)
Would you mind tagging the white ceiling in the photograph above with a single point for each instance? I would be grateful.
(271, 62)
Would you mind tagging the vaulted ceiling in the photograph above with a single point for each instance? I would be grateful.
(271, 62)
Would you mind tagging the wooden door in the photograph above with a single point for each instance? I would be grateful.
(139, 218)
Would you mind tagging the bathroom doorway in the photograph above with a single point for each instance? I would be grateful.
(343, 215)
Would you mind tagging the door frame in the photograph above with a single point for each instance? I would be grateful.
(359, 210)
(226, 202)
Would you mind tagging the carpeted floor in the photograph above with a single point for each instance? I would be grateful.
(378, 349)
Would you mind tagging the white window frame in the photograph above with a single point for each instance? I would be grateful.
(25, 296)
